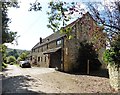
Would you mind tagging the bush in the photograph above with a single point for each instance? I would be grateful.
(11, 63)
(4, 65)
(11, 59)
(112, 56)
(19, 59)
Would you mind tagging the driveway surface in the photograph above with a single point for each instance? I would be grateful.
(46, 80)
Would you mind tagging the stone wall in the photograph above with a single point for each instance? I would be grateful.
(43, 60)
(79, 34)
(114, 77)
(70, 53)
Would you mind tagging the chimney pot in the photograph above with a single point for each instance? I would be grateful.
(40, 40)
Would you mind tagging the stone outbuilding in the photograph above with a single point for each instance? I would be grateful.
(57, 51)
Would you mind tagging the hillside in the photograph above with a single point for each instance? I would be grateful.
(19, 51)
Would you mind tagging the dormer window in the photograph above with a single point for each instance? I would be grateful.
(59, 42)
(47, 39)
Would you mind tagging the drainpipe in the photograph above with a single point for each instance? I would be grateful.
(63, 54)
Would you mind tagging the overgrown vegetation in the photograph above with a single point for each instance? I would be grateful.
(108, 17)
(112, 55)
(8, 36)
(11, 60)
(87, 52)
(23, 56)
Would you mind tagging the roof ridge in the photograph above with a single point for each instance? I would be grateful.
(71, 24)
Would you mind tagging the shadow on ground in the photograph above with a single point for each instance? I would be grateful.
(17, 85)
(98, 73)
(6, 69)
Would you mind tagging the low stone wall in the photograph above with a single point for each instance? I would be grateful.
(114, 77)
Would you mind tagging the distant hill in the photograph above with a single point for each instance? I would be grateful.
(19, 51)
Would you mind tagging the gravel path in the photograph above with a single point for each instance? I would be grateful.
(47, 80)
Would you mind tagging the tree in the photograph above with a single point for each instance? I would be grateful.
(112, 55)
(11, 59)
(57, 15)
(3, 51)
(109, 17)
(7, 35)
(35, 6)
(87, 52)
(23, 56)
(13, 53)
(19, 59)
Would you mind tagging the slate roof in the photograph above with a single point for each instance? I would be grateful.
(52, 37)
(51, 50)
(56, 35)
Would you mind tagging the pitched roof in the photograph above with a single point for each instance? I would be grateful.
(57, 35)
(51, 50)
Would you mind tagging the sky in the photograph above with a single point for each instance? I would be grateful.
(30, 25)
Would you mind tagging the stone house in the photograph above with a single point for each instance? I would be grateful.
(57, 51)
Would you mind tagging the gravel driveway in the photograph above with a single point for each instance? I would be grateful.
(47, 80)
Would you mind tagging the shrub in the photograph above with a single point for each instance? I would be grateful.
(4, 65)
(19, 59)
(112, 56)
(11, 59)
(11, 63)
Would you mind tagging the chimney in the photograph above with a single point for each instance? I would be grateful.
(40, 40)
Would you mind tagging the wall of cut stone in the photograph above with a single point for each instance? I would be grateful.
(70, 54)
(114, 77)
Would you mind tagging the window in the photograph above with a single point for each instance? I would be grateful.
(38, 59)
(41, 59)
(47, 39)
(45, 58)
(42, 49)
(47, 46)
(33, 50)
(58, 42)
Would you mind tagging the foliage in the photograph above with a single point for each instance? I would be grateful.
(7, 35)
(98, 37)
(11, 63)
(35, 6)
(57, 15)
(4, 65)
(67, 31)
(112, 55)
(19, 59)
(13, 53)
(3, 48)
(3, 51)
(108, 16)
(87, 52)
(11, 59)
(110, 13)
(23, 56)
